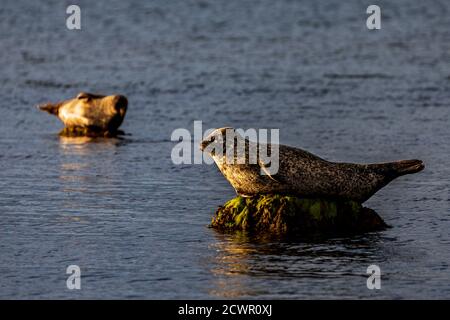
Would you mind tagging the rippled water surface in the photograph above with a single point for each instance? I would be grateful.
(136, 224)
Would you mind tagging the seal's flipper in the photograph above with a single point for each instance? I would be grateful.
(408, 166)
(396, 169)
(88, 96)
(263, 168)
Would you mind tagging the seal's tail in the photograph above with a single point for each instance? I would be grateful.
(399, 168)
(408, 166)
(49, 107)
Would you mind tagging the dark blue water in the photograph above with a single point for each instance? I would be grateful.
(136, 224)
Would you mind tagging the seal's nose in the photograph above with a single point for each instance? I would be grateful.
(203, 145)
(121, 104)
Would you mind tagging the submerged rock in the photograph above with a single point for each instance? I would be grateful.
(282, 214)
(88, 132)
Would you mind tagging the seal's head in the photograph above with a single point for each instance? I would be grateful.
(216, 140)
(87, 109)
(227, 144)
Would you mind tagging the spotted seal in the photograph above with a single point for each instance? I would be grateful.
(91, 113)
(302, 173)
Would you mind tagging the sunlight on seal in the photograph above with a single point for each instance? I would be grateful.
(302, 173)
(89, 114)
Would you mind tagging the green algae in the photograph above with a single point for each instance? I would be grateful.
(291, 214)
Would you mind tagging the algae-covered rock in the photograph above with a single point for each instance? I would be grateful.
(281, 214)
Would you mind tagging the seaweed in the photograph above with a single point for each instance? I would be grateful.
(285, 214)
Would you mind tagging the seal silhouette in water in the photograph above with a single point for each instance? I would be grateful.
(299, 172)
(90, 114)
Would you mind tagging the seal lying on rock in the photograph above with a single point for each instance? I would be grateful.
(89, 114)
(300, 172)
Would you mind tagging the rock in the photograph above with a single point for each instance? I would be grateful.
(282, 214)
(88, 132)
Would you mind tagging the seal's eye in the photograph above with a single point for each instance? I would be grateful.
(212, 139)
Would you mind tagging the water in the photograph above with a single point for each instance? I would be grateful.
(136, 224)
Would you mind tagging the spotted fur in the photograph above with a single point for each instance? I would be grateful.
(304, 174)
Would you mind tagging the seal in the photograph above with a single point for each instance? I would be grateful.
(90, 113)
(299, 172)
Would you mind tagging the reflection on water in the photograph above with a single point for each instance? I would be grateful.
(87, 168)
(240, 256)
(83, 143)
(233, 258)
(69, 141)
